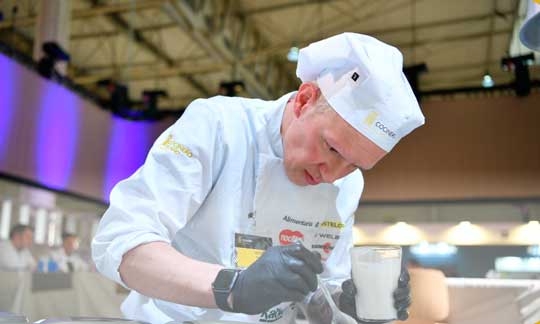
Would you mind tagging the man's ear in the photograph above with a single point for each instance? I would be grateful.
(305, 99)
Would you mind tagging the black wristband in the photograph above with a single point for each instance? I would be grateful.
(222, 287)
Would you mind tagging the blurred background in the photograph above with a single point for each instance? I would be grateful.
(86, 86)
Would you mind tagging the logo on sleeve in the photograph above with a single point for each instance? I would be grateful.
(171, 145)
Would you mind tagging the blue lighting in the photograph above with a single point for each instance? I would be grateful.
(292, 56)
(8, 83)
(56, 136)
(128, 147)
(487, 81)
(440, 249)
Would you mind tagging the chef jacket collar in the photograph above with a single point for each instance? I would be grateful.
(274, 118)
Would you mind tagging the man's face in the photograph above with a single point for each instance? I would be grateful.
(71, 244)
(27, 238)
(320, 146)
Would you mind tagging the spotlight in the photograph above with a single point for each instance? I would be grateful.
(487, 81)
(52, 54)
(412, 73)
(118, 95)
(520, 66)
(231, 88)
(150, 98)
(292, 56)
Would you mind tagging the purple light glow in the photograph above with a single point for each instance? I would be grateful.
(8, 84)
(129, 145)
(57, 134)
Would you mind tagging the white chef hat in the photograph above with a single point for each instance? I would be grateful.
(530, 31)
(362, 79)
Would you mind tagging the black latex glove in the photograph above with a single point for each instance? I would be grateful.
(402, 297)
(281, 274)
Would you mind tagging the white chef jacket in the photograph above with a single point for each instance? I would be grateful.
(196, 190)
(63, 260)
(13, 260)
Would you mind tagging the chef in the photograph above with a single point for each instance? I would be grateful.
(243, 202)
(67, 257)
(15, 253)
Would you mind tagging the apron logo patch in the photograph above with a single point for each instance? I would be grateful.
(288, 236)
(271, 315)
(175, 147)
(289, 219)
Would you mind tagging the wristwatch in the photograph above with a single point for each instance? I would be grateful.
(222, 287)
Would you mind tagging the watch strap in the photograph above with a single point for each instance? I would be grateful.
(221, 295)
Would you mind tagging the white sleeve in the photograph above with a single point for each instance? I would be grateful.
(162, 196)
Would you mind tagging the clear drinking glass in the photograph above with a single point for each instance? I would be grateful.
(375, 272)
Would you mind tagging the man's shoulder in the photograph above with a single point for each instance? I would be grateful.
(5, 245)
(226, 115)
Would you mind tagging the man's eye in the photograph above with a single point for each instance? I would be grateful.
(333, 149)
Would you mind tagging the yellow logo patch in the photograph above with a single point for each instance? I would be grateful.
(175, 147)
(332, 224)
(537, 1)
(370, 118)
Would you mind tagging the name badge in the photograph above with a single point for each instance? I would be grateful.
(249, 248)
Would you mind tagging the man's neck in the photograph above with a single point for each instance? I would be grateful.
(17, 247)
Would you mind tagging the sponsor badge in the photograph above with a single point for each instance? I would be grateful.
(249, 248)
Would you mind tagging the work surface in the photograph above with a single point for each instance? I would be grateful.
(48, 295)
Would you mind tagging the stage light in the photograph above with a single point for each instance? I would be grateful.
(487, 81)
(292, 56)
(526, 234)
(402, 233)
(150, 98)
(231, 88)
(118, 96)
(52, 53)
(520, 66)
(466, 233)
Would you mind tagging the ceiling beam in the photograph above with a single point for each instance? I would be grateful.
(283, 6)
(221, 35)
(94, 11)
(142, 41)
(144, 73)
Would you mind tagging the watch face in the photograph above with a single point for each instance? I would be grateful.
(224, 279)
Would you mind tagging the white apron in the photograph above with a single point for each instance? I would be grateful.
(285, 213)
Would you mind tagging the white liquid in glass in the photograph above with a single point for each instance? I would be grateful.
(375, 272)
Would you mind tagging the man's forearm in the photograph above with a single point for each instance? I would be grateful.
(157, 270)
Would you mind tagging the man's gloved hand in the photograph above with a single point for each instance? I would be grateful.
(402, 297)
(281, 274)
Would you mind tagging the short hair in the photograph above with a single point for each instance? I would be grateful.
(18, 229)
(66, 235)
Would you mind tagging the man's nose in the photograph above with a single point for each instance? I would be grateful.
(333, 169)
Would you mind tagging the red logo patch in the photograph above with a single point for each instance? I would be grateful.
(327, 247)
(287, 237)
